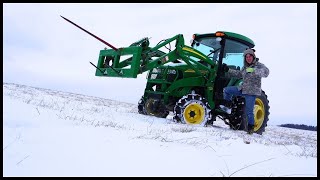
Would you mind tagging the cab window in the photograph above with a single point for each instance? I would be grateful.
(233, 54)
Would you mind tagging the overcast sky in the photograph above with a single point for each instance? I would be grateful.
(41, 49)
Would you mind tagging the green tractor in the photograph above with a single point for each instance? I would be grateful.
(186, 80)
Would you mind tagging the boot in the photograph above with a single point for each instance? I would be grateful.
(250, 129)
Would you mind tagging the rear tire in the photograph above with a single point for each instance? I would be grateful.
(261, 114)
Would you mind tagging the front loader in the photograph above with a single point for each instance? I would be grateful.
(185, 80)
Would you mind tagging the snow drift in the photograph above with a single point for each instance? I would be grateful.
(54, 133)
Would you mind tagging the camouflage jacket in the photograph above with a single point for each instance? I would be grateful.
(251, 84)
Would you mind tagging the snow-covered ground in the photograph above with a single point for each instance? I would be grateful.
(53, 133)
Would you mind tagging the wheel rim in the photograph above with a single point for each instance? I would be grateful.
(259, 114)
(194, 113)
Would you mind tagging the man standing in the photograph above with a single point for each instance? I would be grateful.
(251, 74)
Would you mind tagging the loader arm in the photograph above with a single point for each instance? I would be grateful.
(138, 58)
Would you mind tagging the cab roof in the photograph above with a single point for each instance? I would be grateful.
(229, 35)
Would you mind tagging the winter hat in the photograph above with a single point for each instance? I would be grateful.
(249, 51)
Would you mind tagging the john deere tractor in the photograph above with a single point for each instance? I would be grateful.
(185, 80)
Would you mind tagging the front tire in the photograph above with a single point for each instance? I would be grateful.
(155, 107)
(192, 109)
(141, 108)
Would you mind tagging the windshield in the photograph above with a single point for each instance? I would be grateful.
(208, 46)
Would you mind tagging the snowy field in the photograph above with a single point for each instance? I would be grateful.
(53, 133)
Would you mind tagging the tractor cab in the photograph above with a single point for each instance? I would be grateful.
(223, 47)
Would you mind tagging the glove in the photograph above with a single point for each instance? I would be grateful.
(250, 70)
(225, 67)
